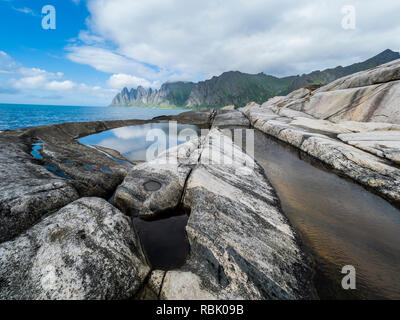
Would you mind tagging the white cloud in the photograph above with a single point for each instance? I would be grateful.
(29, 81)
(31, 72)
(121, 80)
(7, 64)
(204, 38)
(60, 85)
(35, 78)
(88, 38)
(25, 10)
(107, 61)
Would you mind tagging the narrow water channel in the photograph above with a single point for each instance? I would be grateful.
(339, 222)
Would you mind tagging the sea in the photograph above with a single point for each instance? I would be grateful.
(17, 116)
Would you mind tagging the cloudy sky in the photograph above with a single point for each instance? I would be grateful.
(100, 46)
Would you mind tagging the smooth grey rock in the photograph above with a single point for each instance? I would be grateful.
(242, 247)
(385, 144)
(91, 172)
(299, 93)
(356, 126)
(202, 117)
(366, 103)
(184, 285)
(272, 101)
(27, 191)
(375, 103)
(86, 250)
(367, 96)
(286, 112)
(230, 119)
(319, 125)
(371, 136)
(363, 167)
(384, 73)
(169, 171)
(63, 171)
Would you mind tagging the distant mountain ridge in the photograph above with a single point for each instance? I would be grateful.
(238, 88)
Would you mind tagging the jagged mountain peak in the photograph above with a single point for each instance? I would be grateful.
(238, 88)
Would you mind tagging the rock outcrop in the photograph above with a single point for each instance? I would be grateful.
(202, 118)
(242, 247)
(351, 124)
(45, 168)
(367, 96)
(57, 247)
(385, 144)
(230, 118)
(86, 250)
(27, 190)
(156, 186)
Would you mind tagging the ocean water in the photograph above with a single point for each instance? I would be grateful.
(17, 116)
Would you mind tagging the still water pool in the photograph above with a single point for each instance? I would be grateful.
(135, 142)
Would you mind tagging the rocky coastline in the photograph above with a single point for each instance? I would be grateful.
(65, 208)
(351, 124)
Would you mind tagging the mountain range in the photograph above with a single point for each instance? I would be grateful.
(238, 88)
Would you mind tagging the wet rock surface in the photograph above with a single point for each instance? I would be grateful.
(351, 124)
(44, 168)
(86, 250)
(367, 167)
(202, 117)
(241, 244)
(227, 118)
(242, 247)
(27, 191)
(168, 172)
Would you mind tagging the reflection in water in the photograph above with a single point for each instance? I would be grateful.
(134, 141)
(339, 221)
(54, 170)
(164, 241)
(37, 147)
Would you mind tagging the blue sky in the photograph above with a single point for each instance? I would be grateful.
(29, 46)
(99, 46)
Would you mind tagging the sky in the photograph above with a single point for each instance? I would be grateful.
(100, 46)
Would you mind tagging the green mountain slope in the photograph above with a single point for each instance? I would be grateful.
(239, 88)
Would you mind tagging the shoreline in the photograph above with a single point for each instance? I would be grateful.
(241, 243)
(79, 177)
